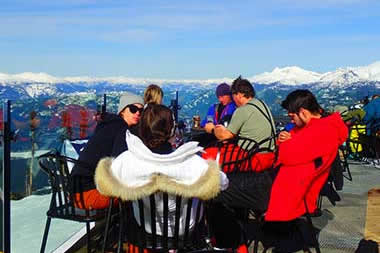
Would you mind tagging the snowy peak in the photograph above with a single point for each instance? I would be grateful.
(338, 78)
(288, 75)
(341, 76)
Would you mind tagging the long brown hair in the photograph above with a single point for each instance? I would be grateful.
(156, 125)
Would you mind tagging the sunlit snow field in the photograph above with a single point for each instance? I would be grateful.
(28, 218)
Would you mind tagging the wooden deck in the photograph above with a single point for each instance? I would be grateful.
(372, 227)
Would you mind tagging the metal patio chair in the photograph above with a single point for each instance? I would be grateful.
(237, 154)
(61, 203)
(363, 145)
(139, 227)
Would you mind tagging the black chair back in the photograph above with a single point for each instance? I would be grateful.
(161, 222)
(61, 203)
(235, 154)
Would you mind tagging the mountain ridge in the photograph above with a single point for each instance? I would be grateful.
(290, 75)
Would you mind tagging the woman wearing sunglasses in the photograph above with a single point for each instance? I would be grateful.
(108, 140)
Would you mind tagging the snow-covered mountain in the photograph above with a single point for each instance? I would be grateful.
(288, 76)
(341, 77)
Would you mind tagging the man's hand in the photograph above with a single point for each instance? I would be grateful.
(208, 127)
(222, 133)
(284, 136)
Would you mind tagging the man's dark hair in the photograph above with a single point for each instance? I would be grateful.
(301, 99)
(244, 87)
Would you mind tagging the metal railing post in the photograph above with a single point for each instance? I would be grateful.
(7, 136)
(104, 105)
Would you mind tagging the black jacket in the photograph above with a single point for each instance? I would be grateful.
(108, 140)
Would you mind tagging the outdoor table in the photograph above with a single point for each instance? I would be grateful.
(200, 135)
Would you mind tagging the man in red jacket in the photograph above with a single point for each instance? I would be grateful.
(305, 156)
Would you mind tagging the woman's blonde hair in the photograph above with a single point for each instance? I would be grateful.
(153, 94)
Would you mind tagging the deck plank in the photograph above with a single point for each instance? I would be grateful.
(372, 227)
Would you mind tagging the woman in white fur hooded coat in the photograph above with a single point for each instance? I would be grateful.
(150, 165)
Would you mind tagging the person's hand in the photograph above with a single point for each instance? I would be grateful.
(208, 127)
(284, 136)
(222, 133)
(219, 129)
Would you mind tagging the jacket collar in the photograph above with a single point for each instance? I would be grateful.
(207, 186)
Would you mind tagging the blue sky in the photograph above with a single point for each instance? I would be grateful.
(186, 39)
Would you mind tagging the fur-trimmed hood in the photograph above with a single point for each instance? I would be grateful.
(138, 172)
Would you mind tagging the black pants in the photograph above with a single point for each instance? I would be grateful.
(227, 213)
(371, 145)
(288, 236)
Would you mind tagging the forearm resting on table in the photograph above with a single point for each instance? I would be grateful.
(222, 133)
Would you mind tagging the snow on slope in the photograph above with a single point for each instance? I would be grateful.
(28, 217)
(29, 77)
(37, 89)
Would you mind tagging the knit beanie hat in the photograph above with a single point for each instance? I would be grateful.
(223, 89)
(127, 99)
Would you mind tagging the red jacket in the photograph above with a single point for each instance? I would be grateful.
(305, 161)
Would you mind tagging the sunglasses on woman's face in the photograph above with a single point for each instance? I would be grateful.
(133, 109)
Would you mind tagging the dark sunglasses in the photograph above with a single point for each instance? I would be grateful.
(133, 109)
